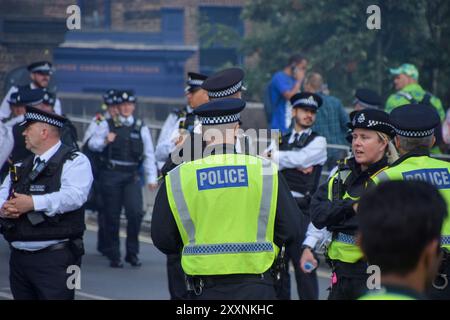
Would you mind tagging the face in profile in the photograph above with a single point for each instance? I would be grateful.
(40, 79)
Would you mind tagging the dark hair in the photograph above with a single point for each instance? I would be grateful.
(397, 220)
(296, 59)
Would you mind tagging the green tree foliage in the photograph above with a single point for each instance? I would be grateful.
(334, 36)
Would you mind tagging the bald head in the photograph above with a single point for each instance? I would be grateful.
(313, 82)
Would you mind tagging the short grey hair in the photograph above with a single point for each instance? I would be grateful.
(408, 144)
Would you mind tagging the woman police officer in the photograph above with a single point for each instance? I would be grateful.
(334, 204)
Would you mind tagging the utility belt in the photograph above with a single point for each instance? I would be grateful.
(196, 284)
(117, 165)
(76, 246)
(345, 269)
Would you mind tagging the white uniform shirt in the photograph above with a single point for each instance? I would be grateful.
(97, 144)
(315, 153)
(5, 110)
(76, 181)
(6, 142)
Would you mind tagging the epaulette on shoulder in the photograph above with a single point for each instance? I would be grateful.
(73, 155)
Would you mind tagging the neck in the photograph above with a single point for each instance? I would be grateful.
(299, 128)
(45, 147)
(288, 71)
(412, 280)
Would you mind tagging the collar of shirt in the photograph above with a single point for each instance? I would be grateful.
(292, 137)
(49, 153)
(189, 109)
(124, 120)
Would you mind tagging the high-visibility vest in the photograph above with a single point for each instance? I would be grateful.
(343, 246)
(385, 295)
(224, 207)
(426, 169)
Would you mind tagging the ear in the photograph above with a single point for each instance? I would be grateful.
(431, 257)
(397, 143)
(433, 141)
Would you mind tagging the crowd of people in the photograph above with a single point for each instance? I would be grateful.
(231, 221)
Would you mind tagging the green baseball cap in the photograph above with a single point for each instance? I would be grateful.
(407, 69)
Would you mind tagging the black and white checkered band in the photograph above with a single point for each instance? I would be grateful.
(31, 116)
(220, 120)
(307, 102)
(414, 134)
(195, 82)
(227, 92)
(373, 123)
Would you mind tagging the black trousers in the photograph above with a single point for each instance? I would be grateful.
(237, 288)
(42, 276)
(176, 278)
(351, 280)
(121, 189)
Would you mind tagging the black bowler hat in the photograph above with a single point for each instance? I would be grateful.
(371, 119)
(15, 99)
(306, 100)
(125, 96)
(367, 99)
(49, 99)
(195, 81)
(220, 111)
(36, 115)
(44, 67)
(32, 97)
(109, 97)
(224, 83)
(414, 120)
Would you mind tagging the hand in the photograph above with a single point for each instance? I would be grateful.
(110, 137)
(355, 207)
(18, 205)
(307, 256)
(152, 186)
(307, 170)
(299, 75)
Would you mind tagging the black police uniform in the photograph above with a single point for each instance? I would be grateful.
(338, 215)
(121, 187)
(42, 274)
(166, 238)
(95, 200)
(305, 184)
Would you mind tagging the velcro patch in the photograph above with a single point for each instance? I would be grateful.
(222, 177)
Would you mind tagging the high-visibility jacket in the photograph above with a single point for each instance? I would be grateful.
(426, 169)
(224, 206)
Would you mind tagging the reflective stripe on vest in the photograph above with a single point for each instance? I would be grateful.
(224, 207)
(189, 225)
(346, 238)
(424, 168)
(343, 247)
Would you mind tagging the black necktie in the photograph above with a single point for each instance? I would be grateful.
(38, 161)
(296, 137)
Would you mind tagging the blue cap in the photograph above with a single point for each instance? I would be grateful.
(367, 98)
(109, 97)
(414, 120)
(220, 111)
(15, 99)
(49, 99)
(32, 97)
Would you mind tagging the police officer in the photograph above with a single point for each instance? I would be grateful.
(182, 119)
(40, 73)
(125, 145)
(301, 157)
(231, 223)
(333, 205)
(400, 225)
(95, 201)
(414, 125)
(42, 215)
(366, 98)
